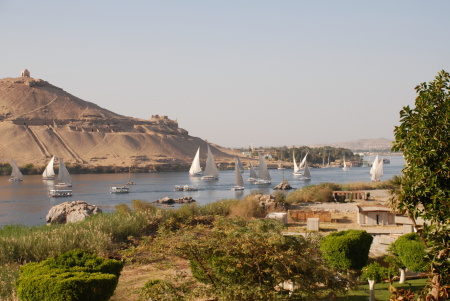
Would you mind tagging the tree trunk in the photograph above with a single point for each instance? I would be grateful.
(402, 276)
(372, 290)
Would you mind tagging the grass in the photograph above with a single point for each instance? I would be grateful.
(381, 290)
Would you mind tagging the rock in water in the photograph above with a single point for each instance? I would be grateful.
(70, 212)
(283, 186)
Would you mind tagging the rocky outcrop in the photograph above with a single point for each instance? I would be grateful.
(269, 202)
(283, 186)
(168, 201)
(70, 212)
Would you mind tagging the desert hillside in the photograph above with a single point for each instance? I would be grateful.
(39, 120)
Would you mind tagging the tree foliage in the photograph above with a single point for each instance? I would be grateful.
(250, 260)
(72, 276)
(374, 271)
(346, 250)
(423, 136)
(409, 253)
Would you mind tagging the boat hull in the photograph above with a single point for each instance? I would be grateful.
(55, 193)
(116, 189)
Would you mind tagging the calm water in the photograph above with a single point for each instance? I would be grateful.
(27, 202)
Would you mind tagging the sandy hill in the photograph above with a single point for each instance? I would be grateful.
(38, 120)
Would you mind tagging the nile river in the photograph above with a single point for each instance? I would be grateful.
(27, 202)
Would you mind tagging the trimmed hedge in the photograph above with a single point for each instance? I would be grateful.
(73, 276)
(347, 249)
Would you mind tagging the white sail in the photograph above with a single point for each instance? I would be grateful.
(16, 175)
(306, 173)
(263, 172)
(345, 168)
(49, 172)
(302, 164)
(296, 169)
(195, 167)
(64, 178)
(239, 164)
(253, 175)
(211, 172)
(376, 172)
(239, 181)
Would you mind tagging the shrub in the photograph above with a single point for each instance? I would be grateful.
(75, 275)
(347, 249)
(247, 208)
(314, 193)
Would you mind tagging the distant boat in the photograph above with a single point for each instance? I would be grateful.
(306, 173)
(196, 169)
(263, 173)
(57, 193)
(376, 171)
(129, 177)
(185, 188)
(303, 163)
(253, 175)
(49, 172)
(64, 178)
(119, 189)
(280, 165)
(296, 168)
(16, 175)
(239, 164)
(345, 168)
(211, 172)
(239, 182)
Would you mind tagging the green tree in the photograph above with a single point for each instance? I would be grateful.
(252, 260)
(424, 138)
(347, 250)
(407, 252)
(373, 273)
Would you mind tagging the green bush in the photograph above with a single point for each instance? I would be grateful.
(347, 249)
(74, 276)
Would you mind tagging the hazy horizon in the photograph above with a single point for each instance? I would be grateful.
(236, 73)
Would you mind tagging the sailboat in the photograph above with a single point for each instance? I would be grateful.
(253, 175)
(211, 172)
(263, 173)
(129, 177)
(239, 182)
(296, 169)
(303, 163)
(376, 171)
(239, 164)
(280, 165)
(64, 178)
(306, 173)
(345, 168)
(16, 175)
(196, 170)
(49, 172)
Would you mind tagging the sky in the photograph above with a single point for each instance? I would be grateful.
(237, 73)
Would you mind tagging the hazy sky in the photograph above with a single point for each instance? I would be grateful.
(270, 73)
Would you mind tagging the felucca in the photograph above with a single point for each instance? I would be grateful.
(49, 172)
(64, 178)
(16, 175)
(211, 172)
(263, 173)
(239, 181)
(196, 169)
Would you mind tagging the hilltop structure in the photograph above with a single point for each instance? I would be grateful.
(38, 120)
